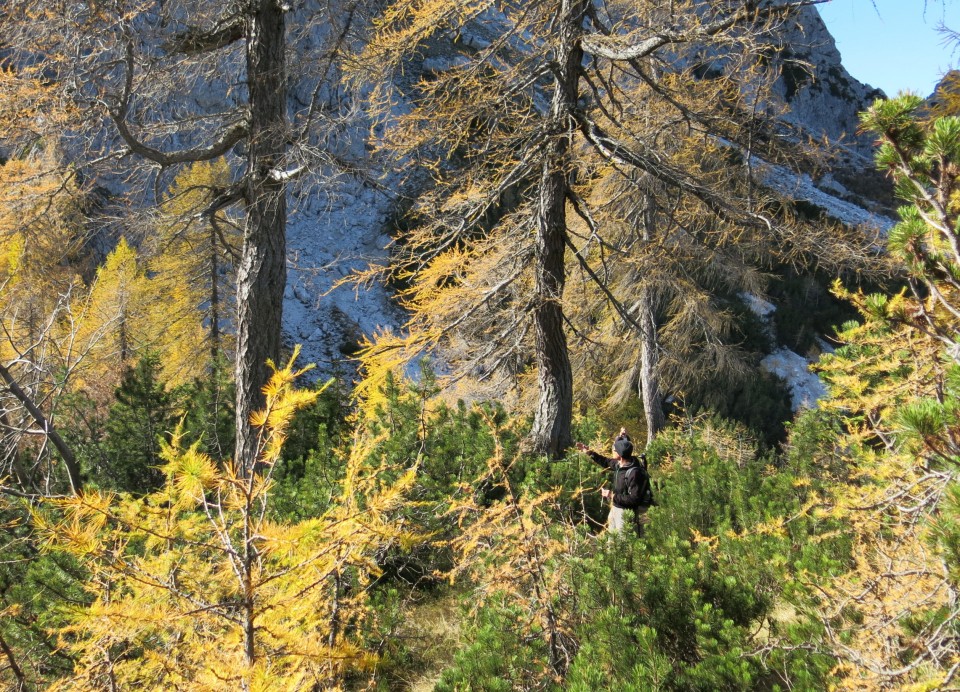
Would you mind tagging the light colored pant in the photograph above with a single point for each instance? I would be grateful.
(615, 520)
(619, 518)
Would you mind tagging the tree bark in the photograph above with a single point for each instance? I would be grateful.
(261, 276)
(554, 415)
(650, 393)
(650, 367)
(214, 296)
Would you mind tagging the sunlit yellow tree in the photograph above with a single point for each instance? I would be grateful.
(196, 588)
(41, 230)
(892, 619)
(190, 262)
(40, 240)
(42, 259)
(117, 308)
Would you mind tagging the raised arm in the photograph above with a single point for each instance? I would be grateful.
(596, 458)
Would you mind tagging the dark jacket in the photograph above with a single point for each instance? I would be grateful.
(631, 483)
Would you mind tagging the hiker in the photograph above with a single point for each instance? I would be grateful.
(631, 483)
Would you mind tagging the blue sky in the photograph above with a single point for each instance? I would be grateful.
(894, 44)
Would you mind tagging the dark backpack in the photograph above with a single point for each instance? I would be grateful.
(643, 481)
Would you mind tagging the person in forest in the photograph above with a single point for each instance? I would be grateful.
(631, 489)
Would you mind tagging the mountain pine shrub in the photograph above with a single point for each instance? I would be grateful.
(708, 598)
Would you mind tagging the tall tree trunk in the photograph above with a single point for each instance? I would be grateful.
(551, 426)
(214, 297)
(650, 367)
(649, 345)
(262, 273)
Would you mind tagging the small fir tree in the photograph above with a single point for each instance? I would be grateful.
(140, 420)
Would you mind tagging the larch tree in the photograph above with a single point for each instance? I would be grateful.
(540, 103)
(116, 314)
(665, 263)
(40, 240)
(41, 245)
(43, 257)
(196, 586)
(890, 617)
(169, 84)
(190, 259)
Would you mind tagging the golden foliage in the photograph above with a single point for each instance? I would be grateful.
(114, 320)
(189, 260)
(481, 132)
(882, 614)
(514, 550)
(888, 364)
(31, 108)
(196, 588)
(888, 615)
(40, 236)
(384, 356)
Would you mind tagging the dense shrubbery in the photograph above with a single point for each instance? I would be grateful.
(705, 600)
(716, 593)
(36, 590)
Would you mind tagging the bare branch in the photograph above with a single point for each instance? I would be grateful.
(195, 41)
(225, 139)
(654, 164)
(73, 468)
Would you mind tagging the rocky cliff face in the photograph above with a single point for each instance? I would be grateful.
(342, 223)
(823, 97)
(825, 100)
